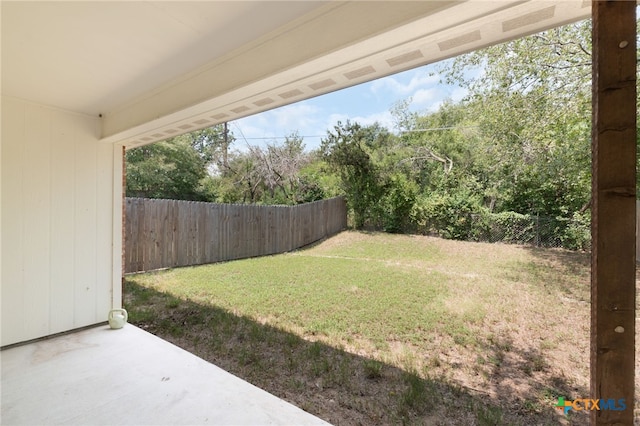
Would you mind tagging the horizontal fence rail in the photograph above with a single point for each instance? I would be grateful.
(171, 233)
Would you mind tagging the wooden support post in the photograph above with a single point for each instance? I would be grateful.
(124, 222)
(614, 209)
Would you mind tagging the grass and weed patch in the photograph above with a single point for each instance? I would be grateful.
(386, 329)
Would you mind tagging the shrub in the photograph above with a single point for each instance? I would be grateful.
(541, 231)
(397, 203)
(449, 216)
(577, 235)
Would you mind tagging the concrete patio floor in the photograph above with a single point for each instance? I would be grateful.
(100, 376)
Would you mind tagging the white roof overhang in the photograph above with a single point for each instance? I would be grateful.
(153, 70)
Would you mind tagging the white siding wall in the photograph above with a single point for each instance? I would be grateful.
(59, 218)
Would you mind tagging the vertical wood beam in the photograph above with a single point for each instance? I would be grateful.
(613, 210)
(117, 236)
(124, 223)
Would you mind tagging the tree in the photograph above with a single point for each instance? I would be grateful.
(168, 169)
(280, 166)
(211, 143)
(348, 149)
(176, 168)
(270, 174)
(532, 106)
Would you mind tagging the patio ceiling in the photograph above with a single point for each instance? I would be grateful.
(156, 69)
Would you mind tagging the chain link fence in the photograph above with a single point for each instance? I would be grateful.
(540, 231)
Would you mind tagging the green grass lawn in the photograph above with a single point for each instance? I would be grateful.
(388, 329)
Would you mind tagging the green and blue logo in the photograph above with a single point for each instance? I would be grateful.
(590, 404)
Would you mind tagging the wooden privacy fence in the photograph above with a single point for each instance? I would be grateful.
(171, 233)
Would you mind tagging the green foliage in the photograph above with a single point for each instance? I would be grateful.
(168, 169)
(544, 231)
(397, 202)
(577, 235)
(323, 181)
(348, 149)
(175, 168)
(532, 106)
(508, 227)
(446, 215)
(516, 148)
(273, 174)
(201, 166)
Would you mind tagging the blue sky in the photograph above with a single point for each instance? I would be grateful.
(365, 104)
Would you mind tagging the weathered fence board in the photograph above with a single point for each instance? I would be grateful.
(170, 233)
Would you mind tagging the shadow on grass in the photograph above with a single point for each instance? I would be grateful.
(510, 368)
(572, 267)
(340, 387)
(578, 265)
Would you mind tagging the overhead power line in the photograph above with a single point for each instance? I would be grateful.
(285, 137)
(435, 129)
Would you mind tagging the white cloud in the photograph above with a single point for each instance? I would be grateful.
(384, 118)
(424, 97)
(279, 122)
(297, 116)
(250, 131)
(430, 100)
(458, 94)
(397, 87)
(435, 106)
(333, 119)
(314, 117)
